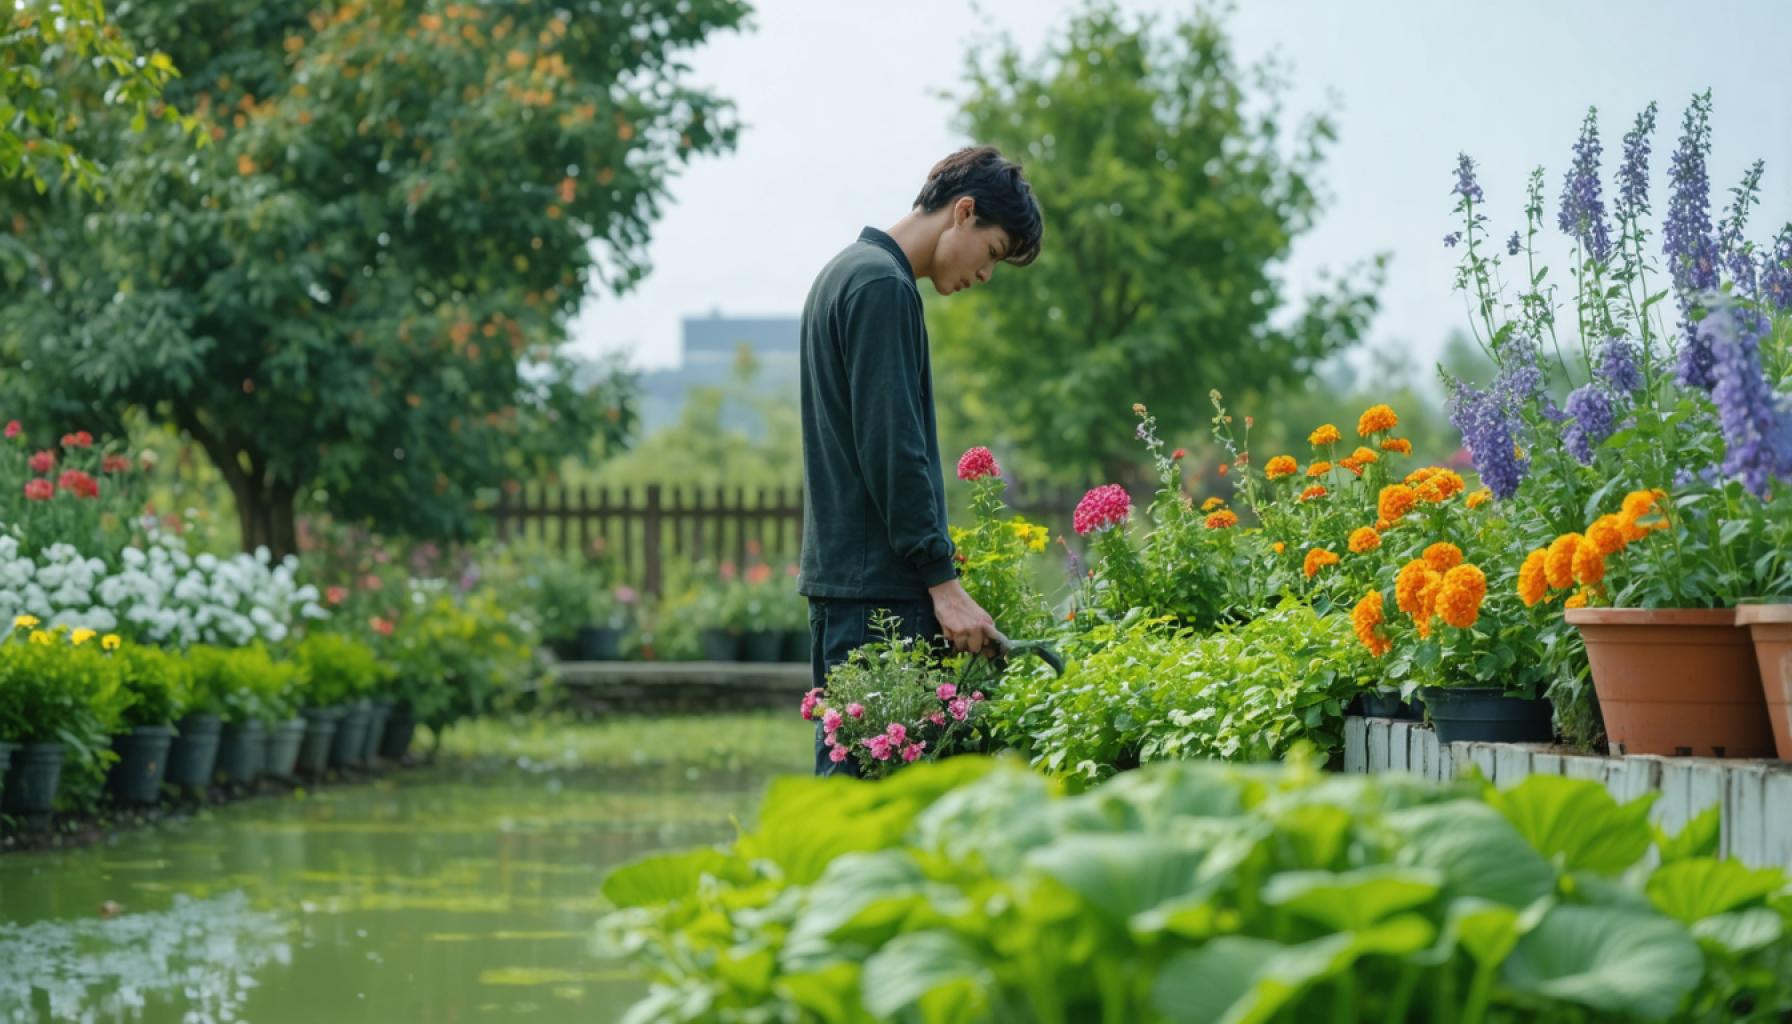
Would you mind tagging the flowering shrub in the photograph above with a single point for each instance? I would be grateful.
(61, 685)
(995, 552)
(74, 489)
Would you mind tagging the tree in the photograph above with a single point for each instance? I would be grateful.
(1168, 202)
(358, 293)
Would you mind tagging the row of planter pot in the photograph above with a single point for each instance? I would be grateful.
(200, 750)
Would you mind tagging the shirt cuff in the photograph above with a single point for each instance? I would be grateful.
(938, 571)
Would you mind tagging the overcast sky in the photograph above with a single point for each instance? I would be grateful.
(842, 121)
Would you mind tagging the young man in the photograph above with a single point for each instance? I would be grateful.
(874, 503)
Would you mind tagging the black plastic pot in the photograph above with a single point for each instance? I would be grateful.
(719, 644)
(242, 749)
(1486, 714)
(600, 643)
(401, 727)
(32, 782)
(6, 750)
(351, 735)
(136, 777)
(376, 729)
(1388, 704)
(320, 735)
(283, 742)
(796, 645)
(762, 645)
(195, 751)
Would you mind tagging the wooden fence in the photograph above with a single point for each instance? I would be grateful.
(640, 529)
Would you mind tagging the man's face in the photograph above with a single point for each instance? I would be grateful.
(967, 253)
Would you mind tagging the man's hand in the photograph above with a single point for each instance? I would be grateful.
(966, 625)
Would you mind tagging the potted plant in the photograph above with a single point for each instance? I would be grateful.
(159, 684)
(259, 707)
(606, 619)
(1770, 628)
(341, 671)
(719, 610)
(284, 726)
(788, 614)
(60, 701)
(193, 756)
(757, 613)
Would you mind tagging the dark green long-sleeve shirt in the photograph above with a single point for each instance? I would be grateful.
(874, 499)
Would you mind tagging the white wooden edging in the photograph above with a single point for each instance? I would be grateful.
(1756, 796)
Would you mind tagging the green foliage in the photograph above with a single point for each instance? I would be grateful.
(462, 657)
(1145, 691)
(160, 684)
(996, 563)
(973, 890)
(245, 683)
(361, 288)
(1171, 193)
(565, 593)
(336, 669)
(55, 691)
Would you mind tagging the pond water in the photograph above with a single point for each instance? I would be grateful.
(462, 892)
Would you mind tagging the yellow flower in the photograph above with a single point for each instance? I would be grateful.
(1317, 559)
(1212, 503)
(1395, 501)
(1397, 444)
(24, 622)
(1279, 547)
(1366, 619)
(1364, 538)
(1280, 466)
(111, 642)
(1319, 469)
(81, 636)
(1376, 419)
(42, 638)
(1533, 577)
(1326, 434)
(1478, 498)
(1559, 569)
(1222, 519)
(1442, 556)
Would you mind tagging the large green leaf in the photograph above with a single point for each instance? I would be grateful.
(1607, 958)
(1119, 875)
(994, 821)
(1475, 848)
(830, 992)
(934, 972)
(1352, 900)
(1743, 931)
(1576, 824)
(1697, 838)
(1693, 889)
(663, 878)
(1203, 985)
(1488, 931)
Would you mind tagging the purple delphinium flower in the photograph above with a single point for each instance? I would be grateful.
(1521, 380)
(1486, 425)
(1582, 216)
(1686, 236)
(1451, 239)
(1730, 243)
(1466, 186)
(1757, 440)
(1618, 365)
(1633, 174)
(1593, 420)
(1776, 272)
(1694, 360)
(1513, 244)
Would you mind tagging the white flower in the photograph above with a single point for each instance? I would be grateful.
(132, 558)
(206, 562)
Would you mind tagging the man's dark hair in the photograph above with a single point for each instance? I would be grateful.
(1003, 197)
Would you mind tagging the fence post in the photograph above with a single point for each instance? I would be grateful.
(650, 541)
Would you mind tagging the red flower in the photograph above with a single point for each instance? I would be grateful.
(336, 595)
(115, 464)
(1178, 455)
(43, 462)
(13, 428)
(371, 582)
(977, 463)
(39, 490)
(759, 573)
(381, 626)
(79, 484)
(78, 439)
(1105, 506)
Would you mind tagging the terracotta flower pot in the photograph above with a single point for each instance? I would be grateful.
(1675, 681)
(1770, 626)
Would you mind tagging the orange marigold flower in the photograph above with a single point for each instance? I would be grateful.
(1366, 619)
(1559, 569)
(1420, 475)
(1312, 492)
(1352, 463)
(1579, 600)
(1589, 564)
(1442, 556)
(1397, 444)
(1279, 547)
(1460, 594)
(1212, 503)
(1317, 559)
(1364, 538)
(1478, 498)
(1395, 501)
(1607, 534)
(1365, 456)
(1440, 487)
(1413, 587)
(1222, 519)
(1533, 577)
(1326, 434)
(1319, 469)
(1383, 525)
(1280, 466)
(1376, 419)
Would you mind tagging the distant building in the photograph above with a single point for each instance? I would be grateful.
(711, 349)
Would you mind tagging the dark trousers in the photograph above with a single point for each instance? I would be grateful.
(839, 627)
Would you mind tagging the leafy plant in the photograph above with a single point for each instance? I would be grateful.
(61, 686)
(336, 669)
(160, 684)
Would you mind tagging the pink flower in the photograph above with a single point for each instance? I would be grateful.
(912, 752)
(39, 490)
(977, 463)
(43, 462)
(336, 595)
(381, 626)
(79, 439)
(855, 710)
(115, 464)
(1103, 507)
(879, 747)
(947, 691)
(976, 695)
(960, 708)
(837, 755)
(625, 595)
(937, 718)
(810, 699)
(897, 732)
(13, 428)
(79, 484)
(831, 720)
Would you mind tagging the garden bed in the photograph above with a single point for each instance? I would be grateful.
(1755, 796)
